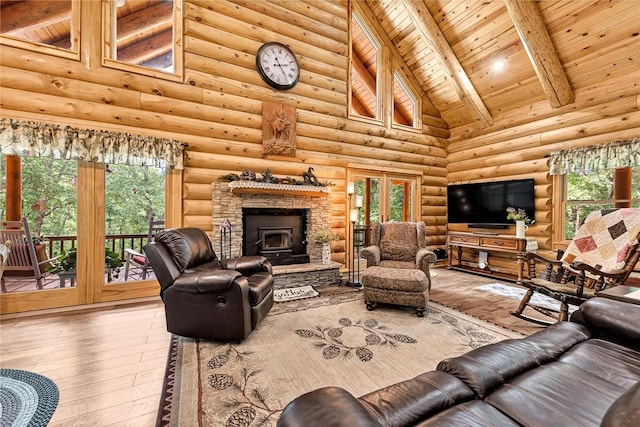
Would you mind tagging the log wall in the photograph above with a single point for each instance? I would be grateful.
(517, 145)
(217, 109)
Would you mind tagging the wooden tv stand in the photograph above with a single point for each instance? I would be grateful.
(489, 242)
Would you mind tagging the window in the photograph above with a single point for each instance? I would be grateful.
(50, 27)
(365, 58)
(405, 104)
(134, 195)
(380, 90)
(141, 36)
(588, 192)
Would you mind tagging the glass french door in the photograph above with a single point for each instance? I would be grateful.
(385, 196)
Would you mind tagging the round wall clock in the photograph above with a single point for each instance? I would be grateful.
(277, 65)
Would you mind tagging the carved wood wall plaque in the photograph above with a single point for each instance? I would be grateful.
(278, 129)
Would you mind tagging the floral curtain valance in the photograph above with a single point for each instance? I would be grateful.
(36, 139)
(618, 154)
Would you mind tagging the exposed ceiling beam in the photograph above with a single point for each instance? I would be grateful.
(23, 17)
(145, 22)
(147, 49)
(537, 43)
(424, 22)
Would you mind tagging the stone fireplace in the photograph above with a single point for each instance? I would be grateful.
(231, 200)
(278, 234)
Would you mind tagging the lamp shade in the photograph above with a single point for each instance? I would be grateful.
(354, 215)
(350, 188)
(358, 201)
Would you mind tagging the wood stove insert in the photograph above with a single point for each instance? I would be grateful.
(277, 234)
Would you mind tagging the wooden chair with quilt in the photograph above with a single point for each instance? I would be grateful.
(136, 261)
(22, 262)
(602, 254)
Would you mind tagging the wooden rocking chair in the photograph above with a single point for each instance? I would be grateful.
(603, 253)
(23, 260)
(136, 261)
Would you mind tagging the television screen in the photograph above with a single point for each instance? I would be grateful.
(487, 202)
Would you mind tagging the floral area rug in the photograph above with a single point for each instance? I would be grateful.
(306, 344)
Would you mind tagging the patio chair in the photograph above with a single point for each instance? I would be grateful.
(602, 254)
(23, 259)
(4, 254)
(135, 260)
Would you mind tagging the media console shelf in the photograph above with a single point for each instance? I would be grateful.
(489, 242)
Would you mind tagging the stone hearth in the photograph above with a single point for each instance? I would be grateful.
(230, 198)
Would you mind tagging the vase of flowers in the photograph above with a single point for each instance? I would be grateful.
(520, 217)
(324, 237)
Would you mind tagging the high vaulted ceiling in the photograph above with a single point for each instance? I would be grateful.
(548, 48)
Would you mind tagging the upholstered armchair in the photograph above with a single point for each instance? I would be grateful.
(205, 297)
(398, 265)
(399, 245)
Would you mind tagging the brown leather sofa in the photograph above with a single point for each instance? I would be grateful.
(583, 372)
(205, 297)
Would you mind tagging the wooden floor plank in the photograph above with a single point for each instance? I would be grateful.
(109, 363)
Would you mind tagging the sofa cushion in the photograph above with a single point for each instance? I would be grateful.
(557, 394)
(470, 414)
(414, 400)
(622, 366)
(487, 368)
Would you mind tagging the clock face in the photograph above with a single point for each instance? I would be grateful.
(277, 65)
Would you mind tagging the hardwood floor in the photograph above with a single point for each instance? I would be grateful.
(109, 362)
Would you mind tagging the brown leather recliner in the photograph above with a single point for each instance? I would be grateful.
(205, 297)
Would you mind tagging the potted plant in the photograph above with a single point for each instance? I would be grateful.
(520, 217)
(324, 237)
(67, 261)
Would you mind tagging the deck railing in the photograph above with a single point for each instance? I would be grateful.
(116, 242)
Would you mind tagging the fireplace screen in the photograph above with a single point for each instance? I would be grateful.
(275, 239)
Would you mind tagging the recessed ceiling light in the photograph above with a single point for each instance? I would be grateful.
(498, 65)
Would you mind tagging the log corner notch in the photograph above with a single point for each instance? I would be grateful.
(426, 24)
(537, 43)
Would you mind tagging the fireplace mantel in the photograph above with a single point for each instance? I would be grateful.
(253, 187)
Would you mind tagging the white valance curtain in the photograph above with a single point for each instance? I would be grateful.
(618, 154)
(36, 139)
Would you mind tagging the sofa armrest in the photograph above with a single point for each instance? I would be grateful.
(328, 406)
(625, 411)
(248, 264)
(611, 320)
(371, 254)
(206, 282)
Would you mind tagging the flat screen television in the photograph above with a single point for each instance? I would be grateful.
(484, 204)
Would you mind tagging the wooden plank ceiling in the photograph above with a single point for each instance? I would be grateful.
(450, 46)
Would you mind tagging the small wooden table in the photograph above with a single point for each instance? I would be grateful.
(624, 293)
(490, 242)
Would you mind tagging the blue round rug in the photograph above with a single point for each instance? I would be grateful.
(26, 398)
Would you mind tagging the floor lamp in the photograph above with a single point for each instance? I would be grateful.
(356, 242)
